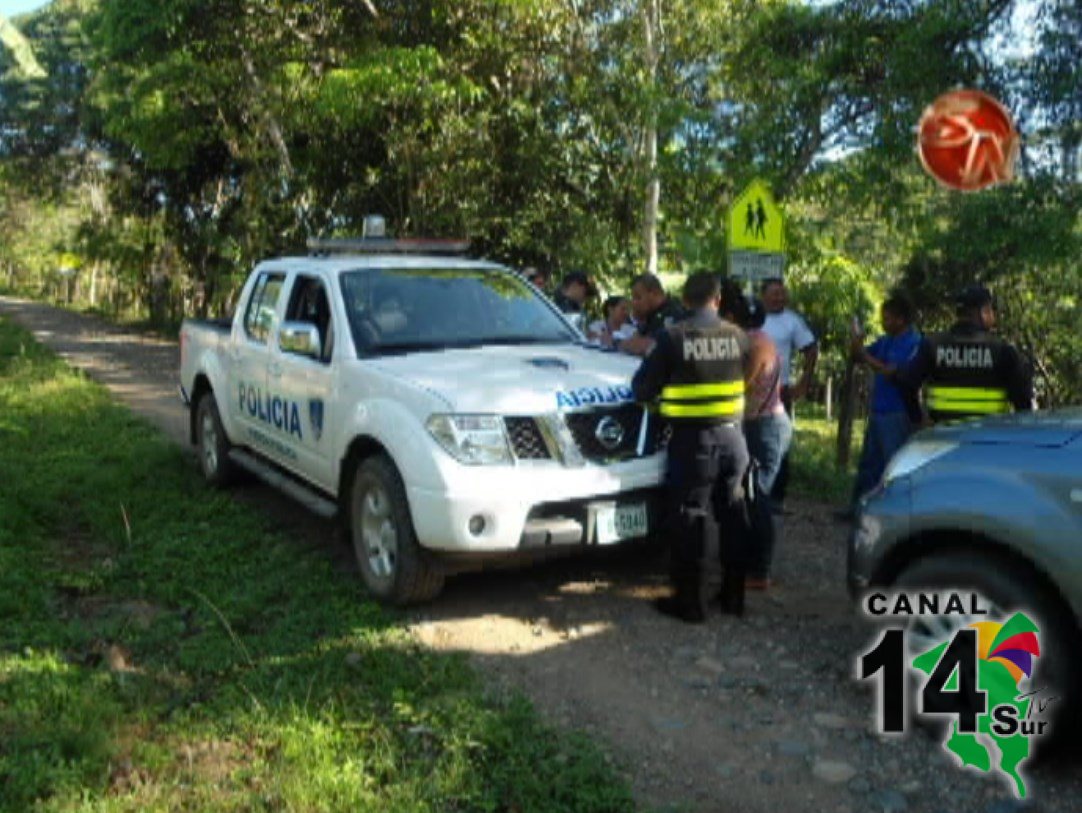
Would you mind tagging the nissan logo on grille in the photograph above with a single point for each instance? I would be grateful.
(609, 433)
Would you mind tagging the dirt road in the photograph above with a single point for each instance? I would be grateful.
(759, 714)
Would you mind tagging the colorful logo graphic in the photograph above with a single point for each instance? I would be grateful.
(967, 140)
(977, 678)
(1005, 654)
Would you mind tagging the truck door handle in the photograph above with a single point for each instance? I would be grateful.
(275, 369)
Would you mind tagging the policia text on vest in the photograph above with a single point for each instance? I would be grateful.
(968, 372)
(696, 374)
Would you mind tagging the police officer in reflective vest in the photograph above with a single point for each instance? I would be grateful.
(967, 371)
(697, 370)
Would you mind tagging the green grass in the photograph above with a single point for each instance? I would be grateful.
(813, 457)
(161, 648)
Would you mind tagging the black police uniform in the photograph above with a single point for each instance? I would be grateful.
(697, 369)
(968, 372)
(668, 314)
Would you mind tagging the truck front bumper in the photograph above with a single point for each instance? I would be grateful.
(529, 508)
(883, 520)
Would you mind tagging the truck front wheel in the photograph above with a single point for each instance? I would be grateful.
(212, 443)
(395, 569)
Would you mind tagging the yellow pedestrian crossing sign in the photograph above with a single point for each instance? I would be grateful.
(755, 221)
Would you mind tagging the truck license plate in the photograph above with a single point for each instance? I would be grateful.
(618, 522)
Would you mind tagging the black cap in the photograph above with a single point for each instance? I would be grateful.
(973, 296)
(582, 279)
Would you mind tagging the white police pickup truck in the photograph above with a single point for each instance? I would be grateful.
(441, 407)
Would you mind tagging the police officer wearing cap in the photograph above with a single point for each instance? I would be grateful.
(697, 368)
(967, 371)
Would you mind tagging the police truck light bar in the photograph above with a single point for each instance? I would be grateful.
(374, 240)
(385, 245)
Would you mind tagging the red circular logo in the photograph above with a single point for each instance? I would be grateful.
(967, 140)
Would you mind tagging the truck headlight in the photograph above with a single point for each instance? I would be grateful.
(916, 455)
(476, 440)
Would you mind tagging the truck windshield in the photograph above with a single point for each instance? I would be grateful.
(399, 310)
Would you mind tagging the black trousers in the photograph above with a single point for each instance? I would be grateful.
(705, 466)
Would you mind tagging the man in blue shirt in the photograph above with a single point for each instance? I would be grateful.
(889, 421)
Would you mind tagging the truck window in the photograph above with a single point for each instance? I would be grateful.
(393, 310)
(309, 303)
(259, 317)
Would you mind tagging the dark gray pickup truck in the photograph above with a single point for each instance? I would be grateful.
(993, 506)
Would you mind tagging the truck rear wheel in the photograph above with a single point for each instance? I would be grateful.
(395, 569)
(213, 445)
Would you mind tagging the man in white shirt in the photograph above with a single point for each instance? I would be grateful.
(790, 334)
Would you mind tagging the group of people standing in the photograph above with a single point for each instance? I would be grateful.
(965, 372)
(771, 335)
(718, 367)
(721, 376)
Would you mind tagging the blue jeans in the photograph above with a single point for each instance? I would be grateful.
(886, 433)
(768, 442)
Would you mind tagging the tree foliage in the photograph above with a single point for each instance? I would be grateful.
(172, 143)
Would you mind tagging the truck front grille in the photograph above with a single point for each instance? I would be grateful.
(527, 443)
(609, 433)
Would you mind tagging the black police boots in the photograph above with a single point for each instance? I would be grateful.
(676, 607)
(688, 601)
(732, 592)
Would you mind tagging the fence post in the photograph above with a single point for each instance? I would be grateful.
(846, 409)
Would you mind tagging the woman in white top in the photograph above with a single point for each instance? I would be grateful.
(615, 327)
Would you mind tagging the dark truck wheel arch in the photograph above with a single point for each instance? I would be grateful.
(202, 385)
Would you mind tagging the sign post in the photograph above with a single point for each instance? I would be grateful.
(756, 235)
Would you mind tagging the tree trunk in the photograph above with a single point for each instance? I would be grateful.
(94, 284)
(847, 403)
(652, 25)
(273, 128)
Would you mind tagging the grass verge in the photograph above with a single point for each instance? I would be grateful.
(813, 457)
(161, 648)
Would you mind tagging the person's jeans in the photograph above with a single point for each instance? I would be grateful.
(780, 482)
(885, 434)
(768, 442)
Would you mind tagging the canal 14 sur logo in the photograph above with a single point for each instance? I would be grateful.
(972, 669)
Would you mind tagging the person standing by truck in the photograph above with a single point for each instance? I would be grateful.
(654, 311)
(766, 426)
(615, 326)
(890, 417)
(572, 295)
(967, 371)
(697, 370)
(790, 333)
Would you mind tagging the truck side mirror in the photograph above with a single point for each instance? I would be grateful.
(300, 338)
